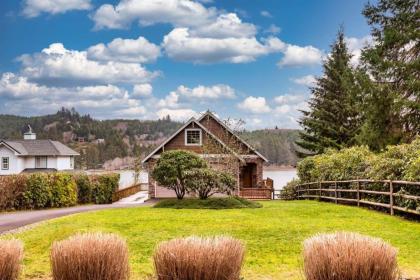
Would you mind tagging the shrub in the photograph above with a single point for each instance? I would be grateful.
(84, 188)
(93, 256)
(349, 256)
(104, 186)
(171, 167)
(10, 259)
(207, 181)
(289, 191)
(12, 189)
(195, 258)
(38, 192)
(63, 190)
(211, 203)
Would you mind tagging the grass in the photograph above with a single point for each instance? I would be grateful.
(273, 235)
(211, 203)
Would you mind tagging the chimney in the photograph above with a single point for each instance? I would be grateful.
(29, 135)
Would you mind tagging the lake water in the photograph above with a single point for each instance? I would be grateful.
(280, 177)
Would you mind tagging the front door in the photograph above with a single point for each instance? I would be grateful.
(247, 176)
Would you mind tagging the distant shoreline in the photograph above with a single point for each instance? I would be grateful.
(279, 168)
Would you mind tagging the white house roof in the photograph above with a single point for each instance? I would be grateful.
(39, 148)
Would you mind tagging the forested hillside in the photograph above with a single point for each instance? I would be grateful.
(102, 141)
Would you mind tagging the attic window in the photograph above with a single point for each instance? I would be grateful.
(193, 137)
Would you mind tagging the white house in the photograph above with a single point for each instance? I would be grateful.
(30, 154)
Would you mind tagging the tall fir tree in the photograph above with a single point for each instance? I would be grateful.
(392, 94)
(332, 120)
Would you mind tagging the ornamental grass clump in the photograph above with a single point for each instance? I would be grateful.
(349, 256)
(11, 254)
(195, 258)
(91, 256)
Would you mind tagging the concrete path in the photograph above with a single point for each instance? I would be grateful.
(13, 220)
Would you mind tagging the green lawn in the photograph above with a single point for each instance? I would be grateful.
(273, 234)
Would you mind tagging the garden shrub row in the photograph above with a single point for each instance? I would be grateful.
(399, 162)
(43, 190)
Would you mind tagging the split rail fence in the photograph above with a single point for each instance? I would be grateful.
(394, 195)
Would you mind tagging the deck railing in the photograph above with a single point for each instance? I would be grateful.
(389, 194)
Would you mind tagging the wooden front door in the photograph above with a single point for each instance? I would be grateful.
(247, 176)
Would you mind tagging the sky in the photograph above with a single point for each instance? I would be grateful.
(146, 59)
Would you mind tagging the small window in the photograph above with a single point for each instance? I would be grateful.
(193, 137)
(71, 162)
(40, 162)
(5, 163)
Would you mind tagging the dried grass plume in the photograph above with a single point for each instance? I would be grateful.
(195, 258)
(349, 256)
(11, 255)
(91, 256)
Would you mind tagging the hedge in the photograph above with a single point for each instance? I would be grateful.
(400, 162)
(43, 190)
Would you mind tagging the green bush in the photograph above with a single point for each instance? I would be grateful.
(103, 187)
(12, 189)
(38, 192)
(63, 190)
(84, 188)
(210, 203)
(289, 191)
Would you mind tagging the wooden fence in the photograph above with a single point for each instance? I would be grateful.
(393, 195)
(120, 194)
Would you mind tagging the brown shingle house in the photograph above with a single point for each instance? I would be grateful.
(223, 149)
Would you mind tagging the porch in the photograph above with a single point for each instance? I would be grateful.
(251, 182)
(265, 191)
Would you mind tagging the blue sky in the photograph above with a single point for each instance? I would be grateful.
(145, 59)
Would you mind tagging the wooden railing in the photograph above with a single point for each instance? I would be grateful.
(377, 193)
(256, 193)
(120, 194)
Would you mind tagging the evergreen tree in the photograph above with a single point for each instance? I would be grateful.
(333, 119)
(392, 99)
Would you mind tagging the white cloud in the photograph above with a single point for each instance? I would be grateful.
(300, 56)
(355, 46)
(273, 29)
(171, 100)
(33, 8)
(146, 12)
(138, 50)
(266, 14)
(290, 98)
(203, 92)
(225, 26)
(256, 105)
(180, 45)
(308, 80)
(18, 95)
(177, 114)
(56, 65)
(142, 90)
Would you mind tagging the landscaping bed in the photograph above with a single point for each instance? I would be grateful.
(210, 203)
(273, 235)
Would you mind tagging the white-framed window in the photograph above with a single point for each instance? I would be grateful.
(5, 163)
(40, 162)
(72, 162)
(193, 137)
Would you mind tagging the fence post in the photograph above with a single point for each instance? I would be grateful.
(319, 190)
(358, 193)
(335, 191)
(391, 197)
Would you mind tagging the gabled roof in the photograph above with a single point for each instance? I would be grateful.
(197, 122)
(39, 148)
(208, 113)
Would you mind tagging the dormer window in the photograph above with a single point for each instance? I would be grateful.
(193, 137)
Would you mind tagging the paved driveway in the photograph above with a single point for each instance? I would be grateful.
(14, 220)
